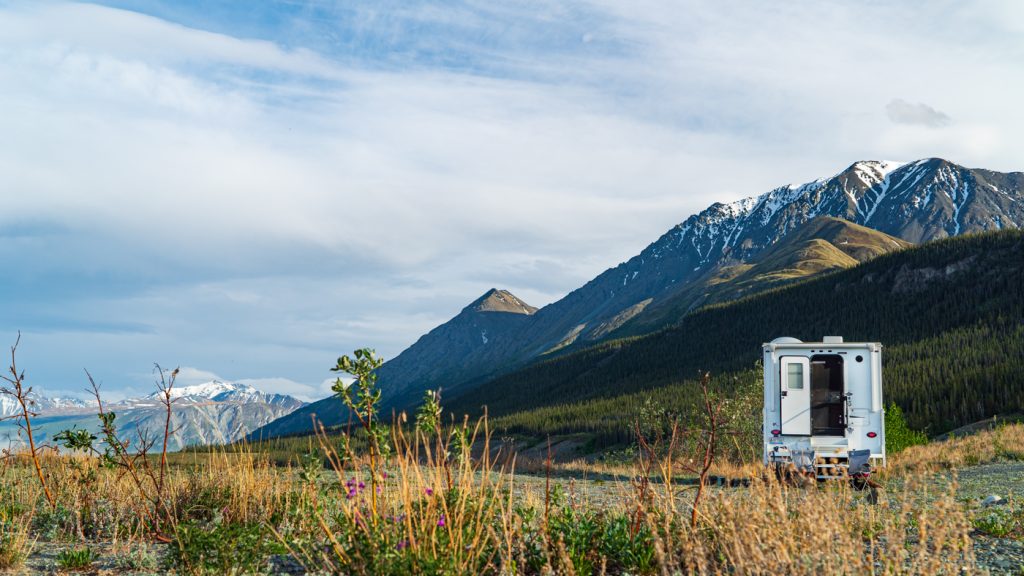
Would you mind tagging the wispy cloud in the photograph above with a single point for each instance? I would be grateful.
(257, 189)
(903, 112)
(189, 376)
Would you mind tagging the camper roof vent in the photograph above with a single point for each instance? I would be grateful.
(832, 340)
(786, 340)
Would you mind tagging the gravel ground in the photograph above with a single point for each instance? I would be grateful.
(140, 560)
(1005, 479)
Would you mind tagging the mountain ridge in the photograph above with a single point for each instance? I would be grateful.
(914, 201)
(468, 335)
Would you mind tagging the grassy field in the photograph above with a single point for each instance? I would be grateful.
(430, 509)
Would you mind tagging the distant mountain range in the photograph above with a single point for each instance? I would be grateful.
(212, 412)
(724, 252)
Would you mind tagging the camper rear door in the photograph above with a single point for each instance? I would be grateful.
(795, 395)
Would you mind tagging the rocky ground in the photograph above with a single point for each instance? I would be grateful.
(1004, 479)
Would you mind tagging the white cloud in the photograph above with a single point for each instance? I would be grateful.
(903, 112)
(222, 201)
(103, 30)
(189, 376)
(305, 392)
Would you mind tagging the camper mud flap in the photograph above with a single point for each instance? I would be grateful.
(858, 462)
(804, 460)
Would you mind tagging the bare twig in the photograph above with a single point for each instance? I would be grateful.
(547, 486)
(117, 454)
(709, 440)
(17, 390)
(164, 387)
(705, 449)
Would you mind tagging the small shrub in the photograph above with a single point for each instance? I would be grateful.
(1001, 522)
(592, 539)
(312, 467)
(231, 548)
(76, 558)
(56, 523)
(137, 559)
(622, 548)
(898, 435)
(202, 502)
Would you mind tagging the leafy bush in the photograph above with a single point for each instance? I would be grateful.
(55, 523)
(595, 542)
(1001, 522)
(137, 559)
(230, 548)
(897, 434)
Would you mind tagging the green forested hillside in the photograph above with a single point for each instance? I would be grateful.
(950, 313)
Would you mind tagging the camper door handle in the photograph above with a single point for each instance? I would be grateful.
(783, 393)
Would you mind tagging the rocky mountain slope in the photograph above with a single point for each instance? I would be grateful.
(824, 244)
(913, 202)
(212, 412)
(444, 357)
(916, 202)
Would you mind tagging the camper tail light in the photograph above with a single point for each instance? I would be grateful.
(776, 432)
(872, 434)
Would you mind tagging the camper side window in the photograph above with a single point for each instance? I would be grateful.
(796, 376)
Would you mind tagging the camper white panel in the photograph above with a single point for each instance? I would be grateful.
(859, 382)
(876, 380)
(795, 395)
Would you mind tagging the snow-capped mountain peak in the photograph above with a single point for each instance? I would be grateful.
(207, 390)
(894, 197)
(874, 171)
(220, 391)
(9, 405)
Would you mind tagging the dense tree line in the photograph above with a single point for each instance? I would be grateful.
(950, 313)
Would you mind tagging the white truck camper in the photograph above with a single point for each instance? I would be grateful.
(823, 413)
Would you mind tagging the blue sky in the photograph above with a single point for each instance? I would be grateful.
(250, 189)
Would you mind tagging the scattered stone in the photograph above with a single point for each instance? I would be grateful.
(993, 500)
(285, 564)
(1005, 564)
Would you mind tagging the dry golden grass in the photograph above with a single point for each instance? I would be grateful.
(461, 515)
(15, 539)
(1003, 442)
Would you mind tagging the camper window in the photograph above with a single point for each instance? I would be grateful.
(796, 377)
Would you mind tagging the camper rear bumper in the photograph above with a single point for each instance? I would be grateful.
(824, 465)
